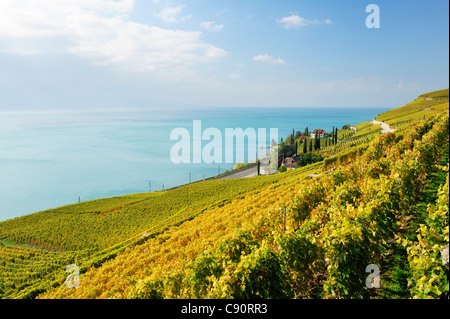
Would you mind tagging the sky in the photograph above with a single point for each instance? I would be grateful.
(131, 54)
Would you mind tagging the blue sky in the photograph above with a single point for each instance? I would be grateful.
(72, 54)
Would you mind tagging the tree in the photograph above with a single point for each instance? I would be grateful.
(305, 147)
(285, 150)
(309, 158)
(310, 145)
(258, 166)
(298, 134)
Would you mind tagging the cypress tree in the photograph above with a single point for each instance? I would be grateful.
(305, 150)
(310, 145)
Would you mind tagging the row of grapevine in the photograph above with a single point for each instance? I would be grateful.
(88, 227)
(104, 223)
(25, 271)
(170, 251)
(410, 109)
(101, 229)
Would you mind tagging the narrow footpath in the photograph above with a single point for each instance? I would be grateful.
(385, 128)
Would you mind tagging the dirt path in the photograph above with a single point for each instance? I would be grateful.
(385, 128)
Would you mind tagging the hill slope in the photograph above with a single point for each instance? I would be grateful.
(90, 233)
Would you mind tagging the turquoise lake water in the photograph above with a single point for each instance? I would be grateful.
(51, 159)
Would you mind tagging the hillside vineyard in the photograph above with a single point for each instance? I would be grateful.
(376, 200)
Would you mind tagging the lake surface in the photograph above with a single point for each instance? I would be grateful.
(54, 158)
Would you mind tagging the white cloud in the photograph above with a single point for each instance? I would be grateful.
(214, 52)
(28, 18)
(265, 58)
(211, 26)
(100, 30)
(295, 21)
(172, 14)
(234, 76)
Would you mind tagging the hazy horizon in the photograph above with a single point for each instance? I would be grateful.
(65, 54)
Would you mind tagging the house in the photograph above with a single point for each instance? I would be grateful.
(318, 131)
(291, 162)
